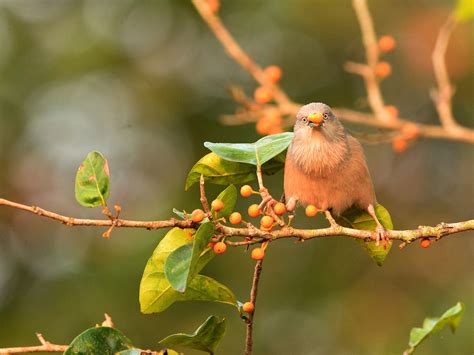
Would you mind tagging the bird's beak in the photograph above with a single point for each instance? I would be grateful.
(315, 119)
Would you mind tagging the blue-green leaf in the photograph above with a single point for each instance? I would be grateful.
(257, 153)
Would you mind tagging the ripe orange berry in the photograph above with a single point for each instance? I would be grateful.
(279, 208)
(410, 131)
(425, 243)
(276, 130)
(266, 222)
(273, 116)
(399, 144)
(383, 69)
(235, 218)
(197, 215)
(217, 205)
(248, 307)
(387, 43)
(263, 126)
(220, 248)
(214, 5)
(258, 254)
(392, 111)
(246, 191)
(262, 95)
(253, 210)
(273, 73)
(311, 211)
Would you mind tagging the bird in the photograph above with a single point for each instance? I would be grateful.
(326, 167)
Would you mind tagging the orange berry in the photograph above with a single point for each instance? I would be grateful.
(263, 95)
(279, 208)
(197, 215)
(425, 243)
(311, 211)
(387, 43)
(266, 222)
(220, 248)
(399, 144)
(273, 73)
(214, 5)
(211, 245)
(258, 254)
(263, 126)
(235, 218)
(217, 205)
(392, 111)
(276, 130)
(246, 191)
(253, 210)
(273, 116)
(383, 69)
(410, 131)
(248, 307)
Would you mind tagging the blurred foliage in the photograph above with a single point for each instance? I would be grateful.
(145, 82)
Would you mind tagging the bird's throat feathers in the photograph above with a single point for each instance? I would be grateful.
(320, 152)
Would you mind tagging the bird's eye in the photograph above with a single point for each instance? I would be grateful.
(304, 119)
(326, 116)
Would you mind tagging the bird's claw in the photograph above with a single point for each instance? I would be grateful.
(381, 235)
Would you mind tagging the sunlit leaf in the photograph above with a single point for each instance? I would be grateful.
(99, 340)
(359, 219)
(452, 317)
(464, 10)
(224, 172)
(180, 265)
(93, 181)
(206, 338)
(257, 153)
(157, 294)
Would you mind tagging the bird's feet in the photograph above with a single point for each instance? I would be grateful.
(381, 235)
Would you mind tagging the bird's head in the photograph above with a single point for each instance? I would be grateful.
(317, 120)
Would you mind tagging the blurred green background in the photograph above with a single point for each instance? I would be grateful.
(145, 82)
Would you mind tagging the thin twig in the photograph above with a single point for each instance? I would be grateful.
(203, 198)
(45, 346)
(367, 72)
(253, 300)
(445, 91)
(236, 52)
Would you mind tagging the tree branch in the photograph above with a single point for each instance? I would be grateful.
(407, 236)
(253, 111)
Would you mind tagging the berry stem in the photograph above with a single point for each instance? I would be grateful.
(253, 299)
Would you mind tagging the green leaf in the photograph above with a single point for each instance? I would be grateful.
(359, 219)
(257, 153)
(206, 338)
(99, 340)
(136, 351)
(464, 10)
(180, 266)
(93, 181)
(223, 172)
(229, 197)
(157, 294)
(451, 317)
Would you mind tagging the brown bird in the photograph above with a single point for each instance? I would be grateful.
(325, 167)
